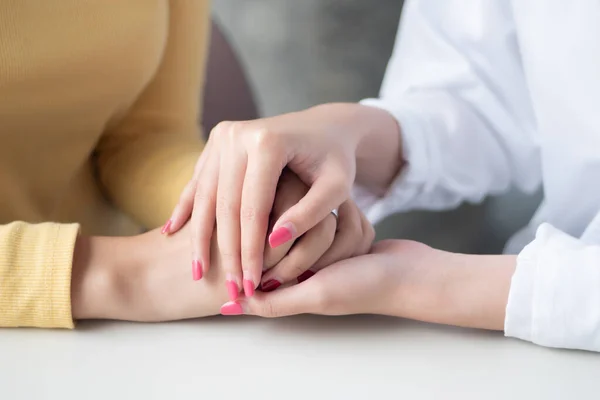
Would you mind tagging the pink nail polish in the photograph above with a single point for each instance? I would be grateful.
(305, 275)
(281, 235)
(248, 288)
(231, 308)
(270, 285)
(166, 227)
(232, 289)
(196, 270)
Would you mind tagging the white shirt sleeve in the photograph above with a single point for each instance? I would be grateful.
(554, 298)
(456, 87)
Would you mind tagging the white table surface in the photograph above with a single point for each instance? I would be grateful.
(362, 357)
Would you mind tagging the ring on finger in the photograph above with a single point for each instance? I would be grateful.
(335, 213)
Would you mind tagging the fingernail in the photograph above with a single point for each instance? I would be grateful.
(231, 308)
(196, 270)
(248, 288)
(232, 288)
(270, 285)
(281, 235)
(166, 227)
(305, 275)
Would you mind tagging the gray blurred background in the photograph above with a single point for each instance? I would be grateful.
(298, 53)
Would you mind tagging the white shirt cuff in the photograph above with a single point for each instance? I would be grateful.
(554, 299)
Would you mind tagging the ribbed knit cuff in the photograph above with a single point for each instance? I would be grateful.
(35, 274)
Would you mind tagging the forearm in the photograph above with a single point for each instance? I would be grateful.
(477, 290)
(462, 290)
(143, 278)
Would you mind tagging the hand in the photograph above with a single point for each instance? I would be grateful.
(146, 277)
(237, 174)
(403, 279)
(322, 245)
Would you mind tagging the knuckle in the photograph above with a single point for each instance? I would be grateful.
(236, 130)
(203, 196)
(270, 310)
(253, 214)
(226, 208)
(264, 138)
(222, 128)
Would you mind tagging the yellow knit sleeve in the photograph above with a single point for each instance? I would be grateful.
(146, 160)
(35, 274)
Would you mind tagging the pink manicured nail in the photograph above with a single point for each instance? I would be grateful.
(196, 270)
(232, 289)
(231, 308)
(248, 288)
(270, 285)
(305, 275)
(166, 227)
(281, 235)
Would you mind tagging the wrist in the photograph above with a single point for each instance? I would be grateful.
(472, 290)
(100, 277)
(379, 152)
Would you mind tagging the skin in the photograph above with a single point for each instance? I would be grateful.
(243, 156)
(402, 279)
(331, 147)
(147, 277)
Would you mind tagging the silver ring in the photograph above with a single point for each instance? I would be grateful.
(335, 213)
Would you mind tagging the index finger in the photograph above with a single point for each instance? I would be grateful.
(258, 195)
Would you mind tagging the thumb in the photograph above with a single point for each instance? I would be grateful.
(326, 193)
(292, 300)
(343, 288)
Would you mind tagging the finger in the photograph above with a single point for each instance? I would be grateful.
(290, 189)
(354, 238)
(183, 209)
(203, 217)
(348, 236)
(337, 290)
(343, 245)
(185, 205)
(327, 193)
(231, 179)
(307, 250)
(368, 237)
(272, 256)
(260, 183)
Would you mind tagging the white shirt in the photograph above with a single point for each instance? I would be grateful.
(495, 93)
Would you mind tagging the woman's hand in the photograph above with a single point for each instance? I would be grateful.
(236, 179)
(322, 245)
(399, 278)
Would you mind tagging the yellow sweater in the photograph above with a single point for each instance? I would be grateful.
(99, 104)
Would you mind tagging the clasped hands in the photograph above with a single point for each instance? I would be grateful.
(330, 270)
